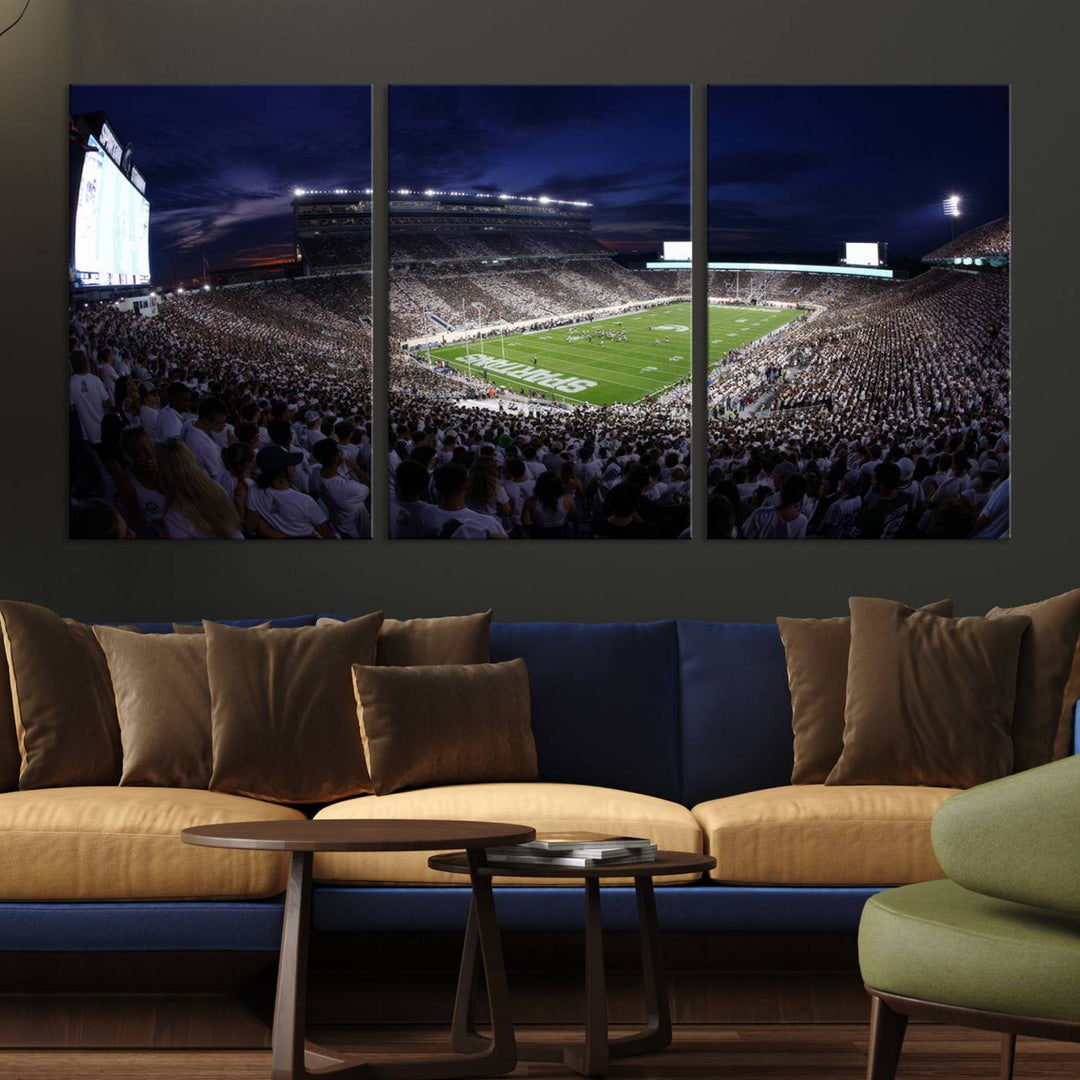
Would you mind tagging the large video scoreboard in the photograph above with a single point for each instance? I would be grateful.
(111, 229)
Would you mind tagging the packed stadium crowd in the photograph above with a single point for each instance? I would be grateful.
(890, 420)
(994, 239)
(417, 245)
(522, 292)
(237, 413)
(244, 412)
(337, 250)
(548, 472)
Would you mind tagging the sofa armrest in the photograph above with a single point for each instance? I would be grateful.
(1076, 729)
(1017, 838)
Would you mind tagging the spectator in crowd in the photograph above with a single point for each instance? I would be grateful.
(196, 508)
(275, 508)
(342, 493)
(89, 398)
(550, 511)
(453, 519)
(622, 521)
(782, 521)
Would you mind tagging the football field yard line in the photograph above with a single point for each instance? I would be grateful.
(616, 366)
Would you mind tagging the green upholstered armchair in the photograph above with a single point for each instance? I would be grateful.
(997, 944)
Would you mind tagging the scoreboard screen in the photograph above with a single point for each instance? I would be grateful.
(675, 250)
(864, 254)
(112, 225)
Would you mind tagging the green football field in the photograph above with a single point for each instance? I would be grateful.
(654, 357)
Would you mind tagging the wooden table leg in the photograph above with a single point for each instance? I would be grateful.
(592, 1059)
(464, 1037)
(292, 1058)
(290, 1011)
(656, 1034)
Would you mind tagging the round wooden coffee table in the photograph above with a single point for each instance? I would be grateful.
(590, 1059)
(291, 1057)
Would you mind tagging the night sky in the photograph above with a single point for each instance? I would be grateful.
(221, 162)
(792, 170)
(797, 170)
(626, 149)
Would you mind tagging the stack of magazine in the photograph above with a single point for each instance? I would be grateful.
(575, 849)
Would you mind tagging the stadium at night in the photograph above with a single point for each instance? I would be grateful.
(539, 330)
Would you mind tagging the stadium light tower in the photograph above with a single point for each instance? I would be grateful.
(951, 206)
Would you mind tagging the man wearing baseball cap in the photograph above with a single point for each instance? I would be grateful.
(275, 508)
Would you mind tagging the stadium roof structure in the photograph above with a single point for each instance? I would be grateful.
(988, 244)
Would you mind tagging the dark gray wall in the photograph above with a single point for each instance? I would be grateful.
(1031, 46)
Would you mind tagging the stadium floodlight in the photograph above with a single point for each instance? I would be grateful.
(206, 288)
(429, 192)
(179, 288)
(951, 206)
(299, 191)
(543, 199)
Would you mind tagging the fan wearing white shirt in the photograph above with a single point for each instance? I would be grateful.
(196, 507)
(345, 495)
(455, 520)
(275, 508)
(149, 410)
(410, 517)
(89, 398)
(783, 521)
(170, 423)
(199, 435)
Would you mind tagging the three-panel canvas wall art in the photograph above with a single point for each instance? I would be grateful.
(540, 369)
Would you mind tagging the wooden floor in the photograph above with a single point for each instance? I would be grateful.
(699, 1052)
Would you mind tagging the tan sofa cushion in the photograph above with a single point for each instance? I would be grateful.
(123, 843)
(816, 651)
(450, 639)
(163, 704)
(546, 807)
(1046, 659)
(929, 699)
(62, 695)
(445, 724)
(810, 834)
(282, 710)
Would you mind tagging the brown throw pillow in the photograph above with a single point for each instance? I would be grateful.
(283, 713)
(445, 724)
(1046, 656)
(9, 739)
(454, 639)
(62, 697)
(1065, 738)
(817, 662)
(929, 700)
(197, 628)
(163, 703)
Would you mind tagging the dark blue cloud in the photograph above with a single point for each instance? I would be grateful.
(804, 168)
(626, 149)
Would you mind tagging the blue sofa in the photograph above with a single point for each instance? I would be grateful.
(681, 711)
